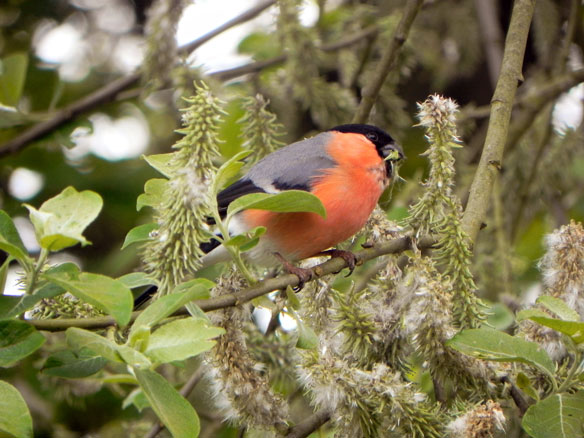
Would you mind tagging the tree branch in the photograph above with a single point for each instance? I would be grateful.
(112, 90)
(538, 98)
(263, 287)
(491, 37)
(501, 105)
(256, 66)
(371, 90)
(241, 18)
(311, 424)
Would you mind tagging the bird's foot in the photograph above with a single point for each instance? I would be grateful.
(347, 256)
(303, 275)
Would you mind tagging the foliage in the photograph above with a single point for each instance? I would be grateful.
(434, 333)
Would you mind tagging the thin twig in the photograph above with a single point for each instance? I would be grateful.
(241, 18)
(371, 90)
(491, 37)
(311, 424)
(501, 105)
(522, 194)
(263, 287)
(543, 93)
(110, 91)
(516, 395)
(256, 66)
(185, 391)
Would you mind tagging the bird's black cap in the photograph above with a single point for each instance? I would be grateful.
(375, 135)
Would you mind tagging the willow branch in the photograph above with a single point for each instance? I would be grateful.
(541, 94)
(371, 90)
(111, 91)
(263, 287)
(241, 18)
(501, 105)
(310, 425)
(256, 66)
(491, 36)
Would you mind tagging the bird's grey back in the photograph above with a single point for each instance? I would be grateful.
(293, 166)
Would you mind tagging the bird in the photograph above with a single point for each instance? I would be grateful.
(347, 167)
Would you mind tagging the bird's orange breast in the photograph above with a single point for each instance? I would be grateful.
(349, 191)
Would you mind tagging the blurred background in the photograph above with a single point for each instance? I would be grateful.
(56, 53)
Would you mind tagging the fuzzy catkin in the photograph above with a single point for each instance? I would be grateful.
(241, 387)
(562, 267)
(439, 210)
(174, 252)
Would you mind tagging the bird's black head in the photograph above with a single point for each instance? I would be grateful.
(384, 143)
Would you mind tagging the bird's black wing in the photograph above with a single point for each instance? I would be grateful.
(236, 190)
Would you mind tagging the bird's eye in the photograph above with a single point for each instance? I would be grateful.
(372, 136)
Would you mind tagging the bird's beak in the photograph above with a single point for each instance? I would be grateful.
(392, 155)
(392, 152)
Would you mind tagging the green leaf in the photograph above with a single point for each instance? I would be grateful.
(61, 220)
(559, 307)
(292, 298)
(557, 416)
(80, 339)
(200, 286)
(489, 344)
(15, 419)
(12, 76)
(136, 279)
(247, 241)
(227, 171)
(574, 329)
(168, 304)
(307, 338)
(4, 274)
(10, 116)
(7, 304)
(27, 302)
(500, 317)
(176, 413)
(10, 240)
(70, 365)
(17, 340)
(286, 202)
(524, 384)
(133, 357)
(163, 163)
(259, 44)
(139, 234)
(528, 313)
(105, 293)
(179, 340)
(136, 398)
(153, 195)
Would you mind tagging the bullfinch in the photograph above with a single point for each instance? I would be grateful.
(347, 167)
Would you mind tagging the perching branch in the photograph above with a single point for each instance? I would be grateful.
(263, 287)
(501, 105)
(371, 90)
(112, 90)
(311, 424)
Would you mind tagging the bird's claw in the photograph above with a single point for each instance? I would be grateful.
(347, 256)
(304, 275)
